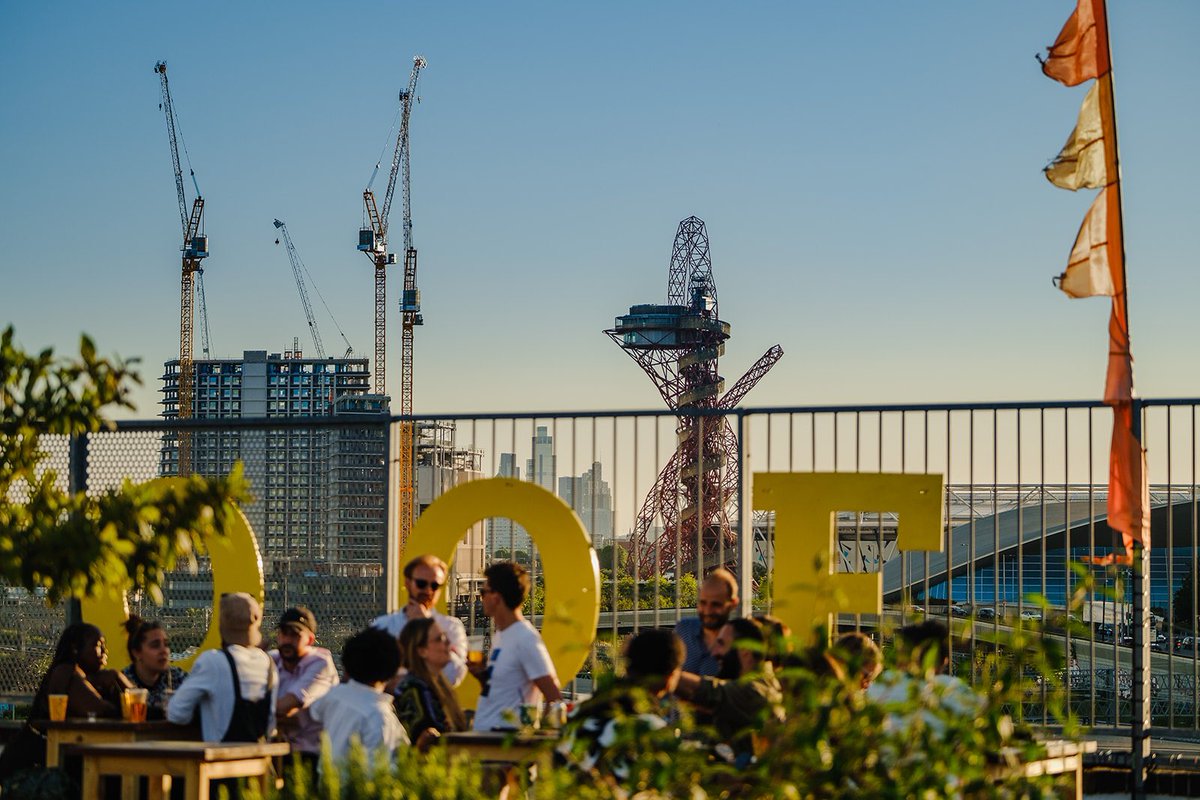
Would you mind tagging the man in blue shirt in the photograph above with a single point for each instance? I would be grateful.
(718, 598)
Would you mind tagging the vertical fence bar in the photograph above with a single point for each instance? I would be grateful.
(1170, 576)
(1092, 670)
(77, 482)
(745, 562)
(1066, 618)
(1140, 729)
(1191, 623)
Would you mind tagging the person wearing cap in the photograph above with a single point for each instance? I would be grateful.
(233, 688)
(424, 578)
(306, 672)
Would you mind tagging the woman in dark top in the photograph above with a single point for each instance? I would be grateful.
(425, 703)
(150, 662)
(77, 670)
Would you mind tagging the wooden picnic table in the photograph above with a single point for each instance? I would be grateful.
(78, 730)
(198, 763)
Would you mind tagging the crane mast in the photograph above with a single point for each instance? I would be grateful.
(195, 249)
(294, 259)
(373, 241)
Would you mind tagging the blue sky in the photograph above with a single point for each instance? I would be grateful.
(869, 174)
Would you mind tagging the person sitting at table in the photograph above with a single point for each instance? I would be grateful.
(424, 578)
(150, 665)
(519, 671)
(77, 671)
(859, 657)
(606, 733)
(233, 688)
(305, 673)
(741, 704)
(424, 702)
(920, 680)
(359, 710)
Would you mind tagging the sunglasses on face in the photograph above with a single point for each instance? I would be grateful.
(439, 639)
(423, 584)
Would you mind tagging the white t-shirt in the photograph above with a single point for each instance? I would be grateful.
(353, 710)
(518, 658)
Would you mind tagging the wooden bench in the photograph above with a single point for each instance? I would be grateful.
(198, 763)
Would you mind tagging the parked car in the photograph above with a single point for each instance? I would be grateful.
(959, 610)
(1031, 614)
(985, 613)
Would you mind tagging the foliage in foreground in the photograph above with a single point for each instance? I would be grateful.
(71, 543)
(835, 743)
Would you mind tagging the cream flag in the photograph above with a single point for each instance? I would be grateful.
(1080, 165)
(1088, 273)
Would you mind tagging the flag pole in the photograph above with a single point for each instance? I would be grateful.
(1140, 554)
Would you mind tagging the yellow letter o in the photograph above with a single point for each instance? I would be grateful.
(572, 573)
(236, 567)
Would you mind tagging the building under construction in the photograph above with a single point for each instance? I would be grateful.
(320, 490)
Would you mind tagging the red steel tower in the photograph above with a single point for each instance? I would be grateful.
(677, 345)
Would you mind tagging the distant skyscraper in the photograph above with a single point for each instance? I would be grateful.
(540, 468)
(591, 497)
(503, 533)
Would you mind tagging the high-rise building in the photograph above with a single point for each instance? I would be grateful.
(541, 468)
(320, 491)
(503, 533)
(591, 497)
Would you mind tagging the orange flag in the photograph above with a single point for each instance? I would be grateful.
(1096, 265)
(1081, 50)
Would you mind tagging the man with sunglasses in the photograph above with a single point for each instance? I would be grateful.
(424, 578)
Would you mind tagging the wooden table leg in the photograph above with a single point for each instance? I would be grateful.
(91, 778)
(197, 782)
(129, 787)
(160, 787)
(52, 745)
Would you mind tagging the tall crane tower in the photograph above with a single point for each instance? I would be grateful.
(372, 240)
(294, 258)
(195, 250)
(298, 269)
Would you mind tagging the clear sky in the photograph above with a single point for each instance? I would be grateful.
(869, 173)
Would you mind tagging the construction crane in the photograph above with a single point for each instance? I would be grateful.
(195, 250)
(298, 269)
(372, 240)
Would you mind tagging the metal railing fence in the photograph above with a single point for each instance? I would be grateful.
(1025, 499)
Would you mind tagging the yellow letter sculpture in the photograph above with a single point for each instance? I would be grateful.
(572, 574)
(236, 567)
(807, 590)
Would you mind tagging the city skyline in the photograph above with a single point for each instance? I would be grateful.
(880, 216)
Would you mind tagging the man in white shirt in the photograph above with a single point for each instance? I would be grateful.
(234, 706)
(359, 710)
(518, 670)
(424, 578)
